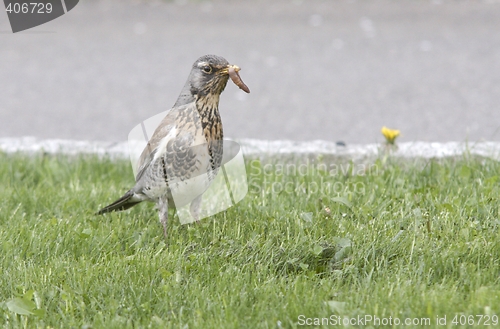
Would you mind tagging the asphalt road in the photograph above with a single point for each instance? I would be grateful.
(331, 70)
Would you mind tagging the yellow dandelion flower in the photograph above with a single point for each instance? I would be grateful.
(390, 134)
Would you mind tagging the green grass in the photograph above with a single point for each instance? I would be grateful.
(395, 239)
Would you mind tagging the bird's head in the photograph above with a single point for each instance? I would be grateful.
(208, 77)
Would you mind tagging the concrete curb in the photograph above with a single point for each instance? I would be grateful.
(262, 148)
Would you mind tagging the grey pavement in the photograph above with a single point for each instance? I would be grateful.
(329, 70)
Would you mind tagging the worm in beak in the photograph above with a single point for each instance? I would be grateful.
(235, 77)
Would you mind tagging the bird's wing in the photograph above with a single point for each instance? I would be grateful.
(166, 128)
(178, 130)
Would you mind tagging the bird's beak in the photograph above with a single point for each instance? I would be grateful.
(236, 68)
(225, 70)
(233, 70)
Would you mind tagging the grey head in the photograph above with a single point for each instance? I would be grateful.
(208, 77)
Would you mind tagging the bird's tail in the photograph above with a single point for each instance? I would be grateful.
(123, 203)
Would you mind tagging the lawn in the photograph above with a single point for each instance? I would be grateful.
(392, 241)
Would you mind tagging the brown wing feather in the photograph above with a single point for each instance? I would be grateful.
(177, 118)
(160, 132)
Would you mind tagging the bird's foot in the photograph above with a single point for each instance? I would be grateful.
(163, 212)
(164, 224)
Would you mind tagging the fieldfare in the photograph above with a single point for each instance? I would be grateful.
(187, 143)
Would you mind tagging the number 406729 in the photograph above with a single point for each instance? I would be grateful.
(484, 320)
(32, 7)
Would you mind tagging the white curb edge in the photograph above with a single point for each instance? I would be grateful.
(263, 148)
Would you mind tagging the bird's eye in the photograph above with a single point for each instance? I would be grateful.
(207, 69)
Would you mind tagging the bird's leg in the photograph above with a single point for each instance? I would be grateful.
(163, 212)
(195, 208)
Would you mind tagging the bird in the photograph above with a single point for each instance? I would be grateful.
(187, 144)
